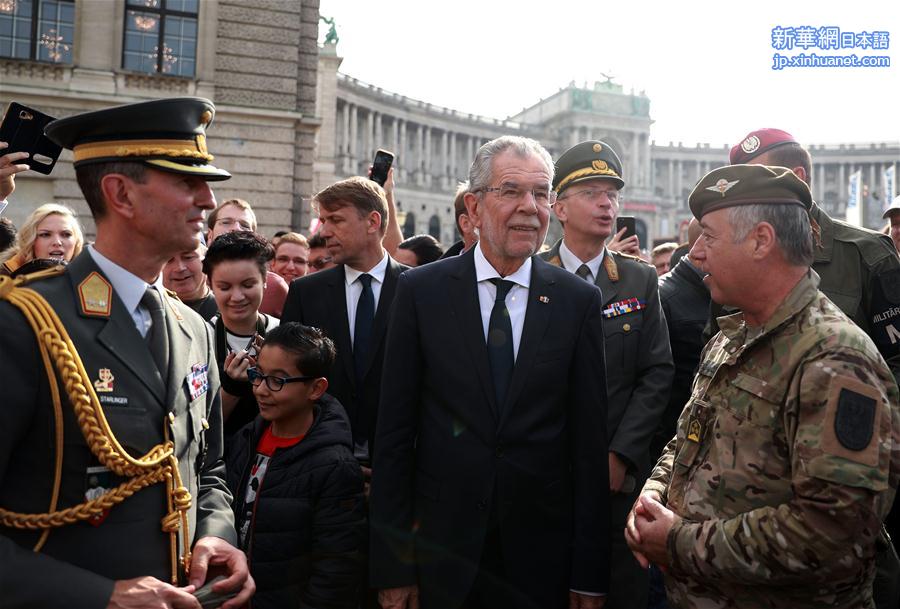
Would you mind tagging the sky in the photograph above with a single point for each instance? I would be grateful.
(706, 66)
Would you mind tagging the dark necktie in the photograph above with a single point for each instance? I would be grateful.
(362, 328)
(500, 342)
(156, 337)
(584, 272)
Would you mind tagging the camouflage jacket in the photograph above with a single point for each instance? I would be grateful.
(786, 460)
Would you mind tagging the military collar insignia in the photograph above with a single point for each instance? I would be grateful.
(722, 186)
(750, 144)
(95, 294)
(612, 271)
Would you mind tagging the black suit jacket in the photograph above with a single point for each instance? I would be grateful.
(449, 457)
(320, 300)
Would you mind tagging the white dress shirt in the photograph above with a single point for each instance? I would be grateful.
(571, 262)
(516, 298)
(129, 288)
(353, 289)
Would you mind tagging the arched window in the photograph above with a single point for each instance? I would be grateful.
(434, 227)
(409, 225)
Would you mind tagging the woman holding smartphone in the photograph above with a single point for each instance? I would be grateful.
(236, 266)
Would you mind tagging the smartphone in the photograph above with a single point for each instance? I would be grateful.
(381, 165)
(626, 222)
(23, 130)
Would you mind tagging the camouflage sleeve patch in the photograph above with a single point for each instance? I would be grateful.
(852, 448)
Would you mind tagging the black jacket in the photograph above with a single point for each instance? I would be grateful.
(308, 527)
(320, 300)
(685, 301)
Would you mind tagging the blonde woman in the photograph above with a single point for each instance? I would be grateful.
(50, 232)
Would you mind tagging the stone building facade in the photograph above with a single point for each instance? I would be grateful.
(256, 59)
(289, 122)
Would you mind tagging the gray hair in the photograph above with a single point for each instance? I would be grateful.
(482, 166)
(791, 224)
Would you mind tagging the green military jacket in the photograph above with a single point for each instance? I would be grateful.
(786, 459)
(859, 271)
(639, 367)
(80, 562)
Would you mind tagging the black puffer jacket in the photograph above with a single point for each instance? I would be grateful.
(308, 530)
(685, 301)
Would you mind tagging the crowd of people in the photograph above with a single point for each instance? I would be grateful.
(197, 414)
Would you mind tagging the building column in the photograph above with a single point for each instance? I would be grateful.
(354, 130)
(379, 134)
(679, 168)
(671, 192)
(420, 153)
(428, 157)
(405, 151)
(443, 156)
(344, 146)
(819, 194)
(635, 170)
(452, 170)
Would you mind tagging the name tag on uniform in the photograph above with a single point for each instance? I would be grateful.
(198, 380)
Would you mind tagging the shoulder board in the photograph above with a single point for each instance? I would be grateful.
(39, 275)
(873, 246)
(630, 257)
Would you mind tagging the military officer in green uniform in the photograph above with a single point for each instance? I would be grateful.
(111, 479)
(773, 491)
(639, 368)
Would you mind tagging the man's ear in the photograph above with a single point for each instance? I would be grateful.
(559, 208)
(800, 172)
(473, 208)
(765, 240)
(118, 194)
(374, 221)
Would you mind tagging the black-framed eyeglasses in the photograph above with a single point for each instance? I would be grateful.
(510, 192)
(274, 383)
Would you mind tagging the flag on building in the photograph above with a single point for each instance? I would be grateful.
(890, 184)
(854, 200)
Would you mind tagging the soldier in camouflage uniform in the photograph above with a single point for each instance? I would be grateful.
(786, 458)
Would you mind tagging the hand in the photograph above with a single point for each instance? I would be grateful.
(585, 601)
(367, 477)
(221, 556)
(9, 167)
(406, 597)
(236, 364)
(632, 534)
(653, 524)
(630, 246)
(617, 471)
(151, 593)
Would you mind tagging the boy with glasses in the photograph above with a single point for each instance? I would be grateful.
(298, 489)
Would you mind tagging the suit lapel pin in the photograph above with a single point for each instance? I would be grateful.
(544, 299)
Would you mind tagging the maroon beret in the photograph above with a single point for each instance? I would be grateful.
(757, 142)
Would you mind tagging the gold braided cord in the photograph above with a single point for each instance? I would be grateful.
(586, 171)
(158, 465)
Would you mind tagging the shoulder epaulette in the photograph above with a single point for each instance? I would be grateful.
(630, 257)
(39, 275)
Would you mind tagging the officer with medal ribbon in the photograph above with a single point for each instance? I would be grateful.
(639, 368)
(773, 492)
(111, 479)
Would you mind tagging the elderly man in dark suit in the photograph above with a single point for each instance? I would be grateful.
(146, 386)
(639, 366)
(489, 486)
